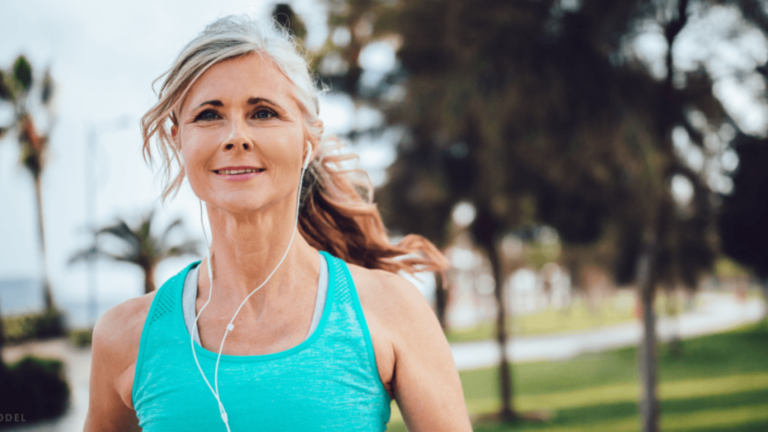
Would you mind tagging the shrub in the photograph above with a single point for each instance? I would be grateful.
(33, 326)
(35, 388)
(50, 324)
(81, 337)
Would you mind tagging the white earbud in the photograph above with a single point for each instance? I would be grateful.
(230, 326)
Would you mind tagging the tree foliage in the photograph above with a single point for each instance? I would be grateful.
(139, 246)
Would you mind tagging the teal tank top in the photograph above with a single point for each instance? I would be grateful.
(329, 382)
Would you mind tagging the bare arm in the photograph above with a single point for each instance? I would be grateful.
(426, 383)
(115, 343)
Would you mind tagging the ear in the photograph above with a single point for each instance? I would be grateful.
(175, 136)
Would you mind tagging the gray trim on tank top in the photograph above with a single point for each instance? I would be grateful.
(189, 295)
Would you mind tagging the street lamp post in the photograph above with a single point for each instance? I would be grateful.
(91, 178)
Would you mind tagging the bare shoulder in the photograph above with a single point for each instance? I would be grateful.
(413, 356)
(114, 350)
(387, 292)
(398, 317)
(118, 331)
(394, 301)
(422, 376)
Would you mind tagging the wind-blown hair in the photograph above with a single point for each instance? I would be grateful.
(337, 211)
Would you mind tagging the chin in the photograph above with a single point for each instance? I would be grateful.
(240, 202)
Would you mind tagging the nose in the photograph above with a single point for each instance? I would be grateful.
(238, 137)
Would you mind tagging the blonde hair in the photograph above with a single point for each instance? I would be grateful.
(337, 211)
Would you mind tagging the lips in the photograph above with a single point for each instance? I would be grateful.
(237, 170)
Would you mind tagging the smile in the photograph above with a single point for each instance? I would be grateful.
(238, 171)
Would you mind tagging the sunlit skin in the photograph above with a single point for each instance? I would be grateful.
(241, 114)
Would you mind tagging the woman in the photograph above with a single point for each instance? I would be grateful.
(294, 338)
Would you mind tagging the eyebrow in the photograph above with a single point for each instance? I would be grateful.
(251, 101)
(256, 100)
(216, 103)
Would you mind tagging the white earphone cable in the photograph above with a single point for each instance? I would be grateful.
(192, 339)
(230, 326)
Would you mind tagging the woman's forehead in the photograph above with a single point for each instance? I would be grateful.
(243, 78)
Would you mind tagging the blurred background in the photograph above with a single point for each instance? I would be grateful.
(595, 171)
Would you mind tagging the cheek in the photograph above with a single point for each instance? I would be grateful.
(282, 148)
(195, 153)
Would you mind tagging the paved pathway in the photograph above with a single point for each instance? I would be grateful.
(718, 313)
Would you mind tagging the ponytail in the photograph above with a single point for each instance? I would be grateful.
(338, 216)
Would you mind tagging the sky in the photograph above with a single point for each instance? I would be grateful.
(104, 57)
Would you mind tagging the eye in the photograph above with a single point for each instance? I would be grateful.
(264, 114)
(207, 115)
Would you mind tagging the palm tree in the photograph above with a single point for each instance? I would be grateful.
(142, 247)
(15, 89)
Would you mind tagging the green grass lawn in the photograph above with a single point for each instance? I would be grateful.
(577, 316)
(717, 383)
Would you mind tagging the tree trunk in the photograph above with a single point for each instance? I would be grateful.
(441, 299)
(149, 280)
(486, 229)
(47, 294)
(646, 283)
(649, 407)
(505, 375)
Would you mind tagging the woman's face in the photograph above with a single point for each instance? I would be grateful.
(242, 136)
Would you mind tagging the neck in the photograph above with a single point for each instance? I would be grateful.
(246, 249)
